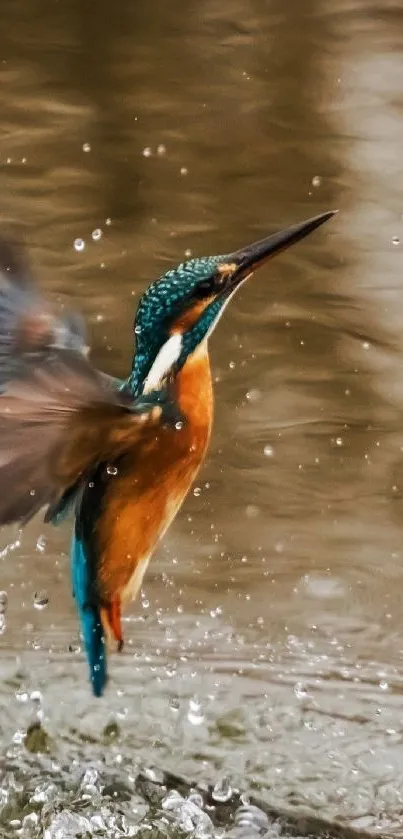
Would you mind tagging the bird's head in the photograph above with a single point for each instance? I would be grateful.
(179, 311)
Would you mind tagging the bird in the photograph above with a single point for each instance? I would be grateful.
(120, 455)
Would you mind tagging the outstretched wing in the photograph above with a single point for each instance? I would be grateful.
(59, 418)
(58, 421)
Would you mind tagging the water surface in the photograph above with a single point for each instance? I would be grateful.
(267, 645)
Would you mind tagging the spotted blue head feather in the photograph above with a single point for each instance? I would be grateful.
(163, 301)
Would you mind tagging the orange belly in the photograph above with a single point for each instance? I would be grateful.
(142, 502)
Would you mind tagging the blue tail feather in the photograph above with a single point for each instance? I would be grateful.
(91, 625)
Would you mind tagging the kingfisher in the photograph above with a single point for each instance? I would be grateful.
(120, 455)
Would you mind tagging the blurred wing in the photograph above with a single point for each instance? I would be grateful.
(59, 418)
(29, 328)
(58, 421)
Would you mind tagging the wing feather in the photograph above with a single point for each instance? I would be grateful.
(59, 420)
(59, 417)
(29, 327)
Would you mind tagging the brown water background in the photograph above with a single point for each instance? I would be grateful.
(267, 645)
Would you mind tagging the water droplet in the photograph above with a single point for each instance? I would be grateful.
(96, 234)
(184, 171)
(137, 330)
(395, 241)
(188, 253)
(111, 469)
(32, 492)
(86, 147)
(3, 601)
(174, 704)
(197, 491)
(383, 684)
(2, 623)
(41, 599)
(337, 442)
(41, 544)
(178, 425)
(222, 790)
(316, 180)
(36, 697)
(268, 451)
(195, 712)
(161, 150)
(147, 152)
(21, 695)
(108, 221)
(79, 245)
(253, 395)
(300, 690)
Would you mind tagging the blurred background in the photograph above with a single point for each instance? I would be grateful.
(266, 649)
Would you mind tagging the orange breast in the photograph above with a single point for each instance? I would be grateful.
(142, 502)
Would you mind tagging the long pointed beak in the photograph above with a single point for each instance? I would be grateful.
(249, 258)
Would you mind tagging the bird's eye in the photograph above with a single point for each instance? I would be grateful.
(205, 288)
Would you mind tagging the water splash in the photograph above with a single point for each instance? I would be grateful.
(222, 791)
(195, 712)
(41, 600)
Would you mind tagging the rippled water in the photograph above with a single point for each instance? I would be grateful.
(266, 648)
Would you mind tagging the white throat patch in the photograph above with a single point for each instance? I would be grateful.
(166, 358)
